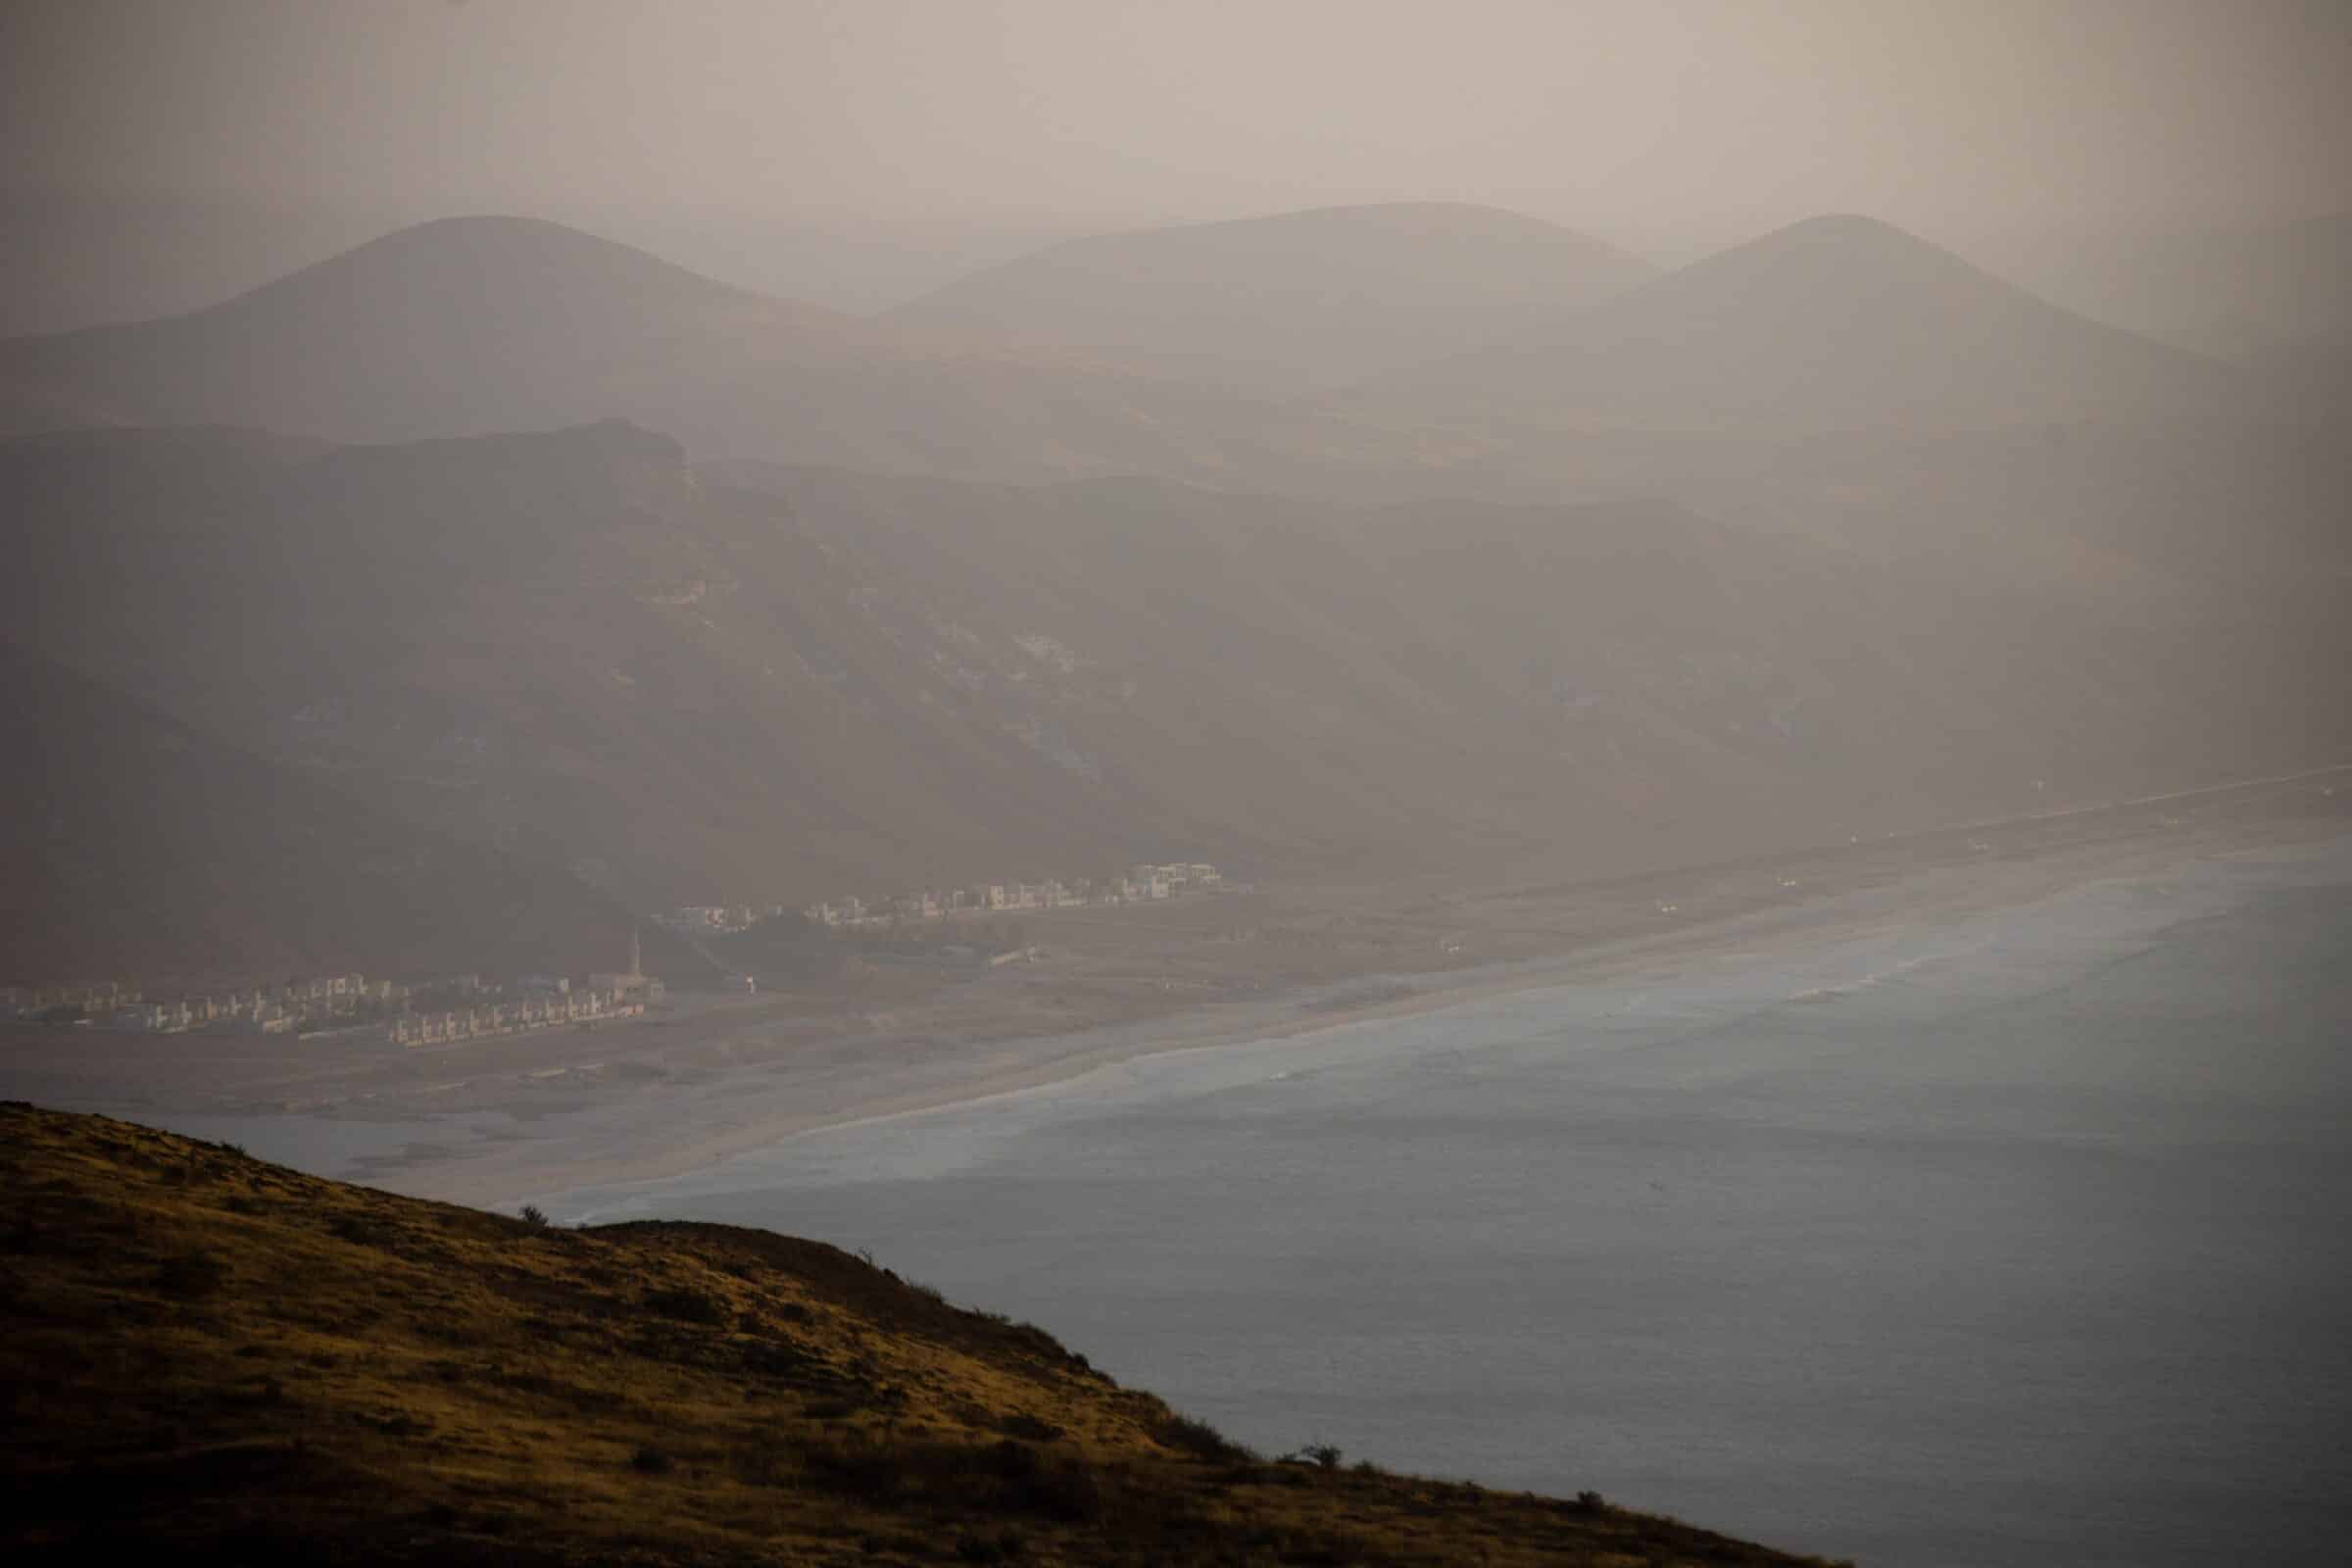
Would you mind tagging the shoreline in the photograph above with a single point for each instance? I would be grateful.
(1941, 895)
(2106, 1118)
(672, 1096)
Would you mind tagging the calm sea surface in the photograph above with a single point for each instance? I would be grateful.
(2019, 1240)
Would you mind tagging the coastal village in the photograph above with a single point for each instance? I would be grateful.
(450, 1010)
(441, 1011)
(1142, 883)
(299, 1006)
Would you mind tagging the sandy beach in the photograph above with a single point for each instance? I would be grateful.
(500, 1122)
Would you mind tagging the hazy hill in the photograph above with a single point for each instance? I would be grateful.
(768, 685)
(214, 1359)
(2242, 292)
(1294, 300)
(1833, 323)
(140, 849)
(442, 328)
(475, 325)
(553, 642)
(748, 684)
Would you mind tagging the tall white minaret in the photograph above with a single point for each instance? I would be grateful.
(636, 957)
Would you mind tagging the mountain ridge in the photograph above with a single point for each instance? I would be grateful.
(1839, 320)
(1289, 300)
(747, 683)
(479, 326)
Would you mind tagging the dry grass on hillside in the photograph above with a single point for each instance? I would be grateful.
(230, 1362)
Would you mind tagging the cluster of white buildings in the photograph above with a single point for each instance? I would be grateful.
(1141, 884)
(542, 1008)
(315, 1002)
(692, 918)
(352, 1001)
(30, 1001)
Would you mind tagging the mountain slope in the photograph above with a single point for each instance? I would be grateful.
(140, 848)
(2233, 292)
(440, 329)
(741, 683)
(1293, 301)
(1833, 322)
(225, 1361)
(559, 644)
(776, 688)
(472, 326)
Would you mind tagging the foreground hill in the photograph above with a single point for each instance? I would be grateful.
(1294, 300)
(1835, 322)
(225, 1361)
(141, 847)
(466, 326)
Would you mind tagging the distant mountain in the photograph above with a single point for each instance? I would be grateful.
(139, 848)
(758, 683)
(1295, 301)
(1833, 323)
(550, 643)
(752, 683)
(442, 328)
(2272, 290)
(475, 325)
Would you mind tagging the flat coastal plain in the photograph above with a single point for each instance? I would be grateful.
(710, 1077)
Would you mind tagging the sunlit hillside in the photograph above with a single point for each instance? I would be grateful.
(222, 1360)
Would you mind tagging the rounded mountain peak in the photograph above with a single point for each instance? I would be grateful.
(1853, 233)
(496, 250)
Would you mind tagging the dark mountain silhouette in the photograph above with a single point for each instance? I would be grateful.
(475, 325)
(1835, 322)
(1293, 301)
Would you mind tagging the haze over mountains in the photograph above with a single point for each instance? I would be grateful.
(704, 596)
(774, 683)
(2241, 292)
(1582, 746)
(1835, 322)
(141, 844)
(1295, 301)
(471, 326)
(1082, 359)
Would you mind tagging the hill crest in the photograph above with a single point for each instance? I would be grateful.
(229, 1360)
(479, 326)
(1839, 320)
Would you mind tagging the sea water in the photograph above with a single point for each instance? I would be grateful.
(2019, 1239)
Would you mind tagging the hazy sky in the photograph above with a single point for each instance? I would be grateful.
(1657, 123)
